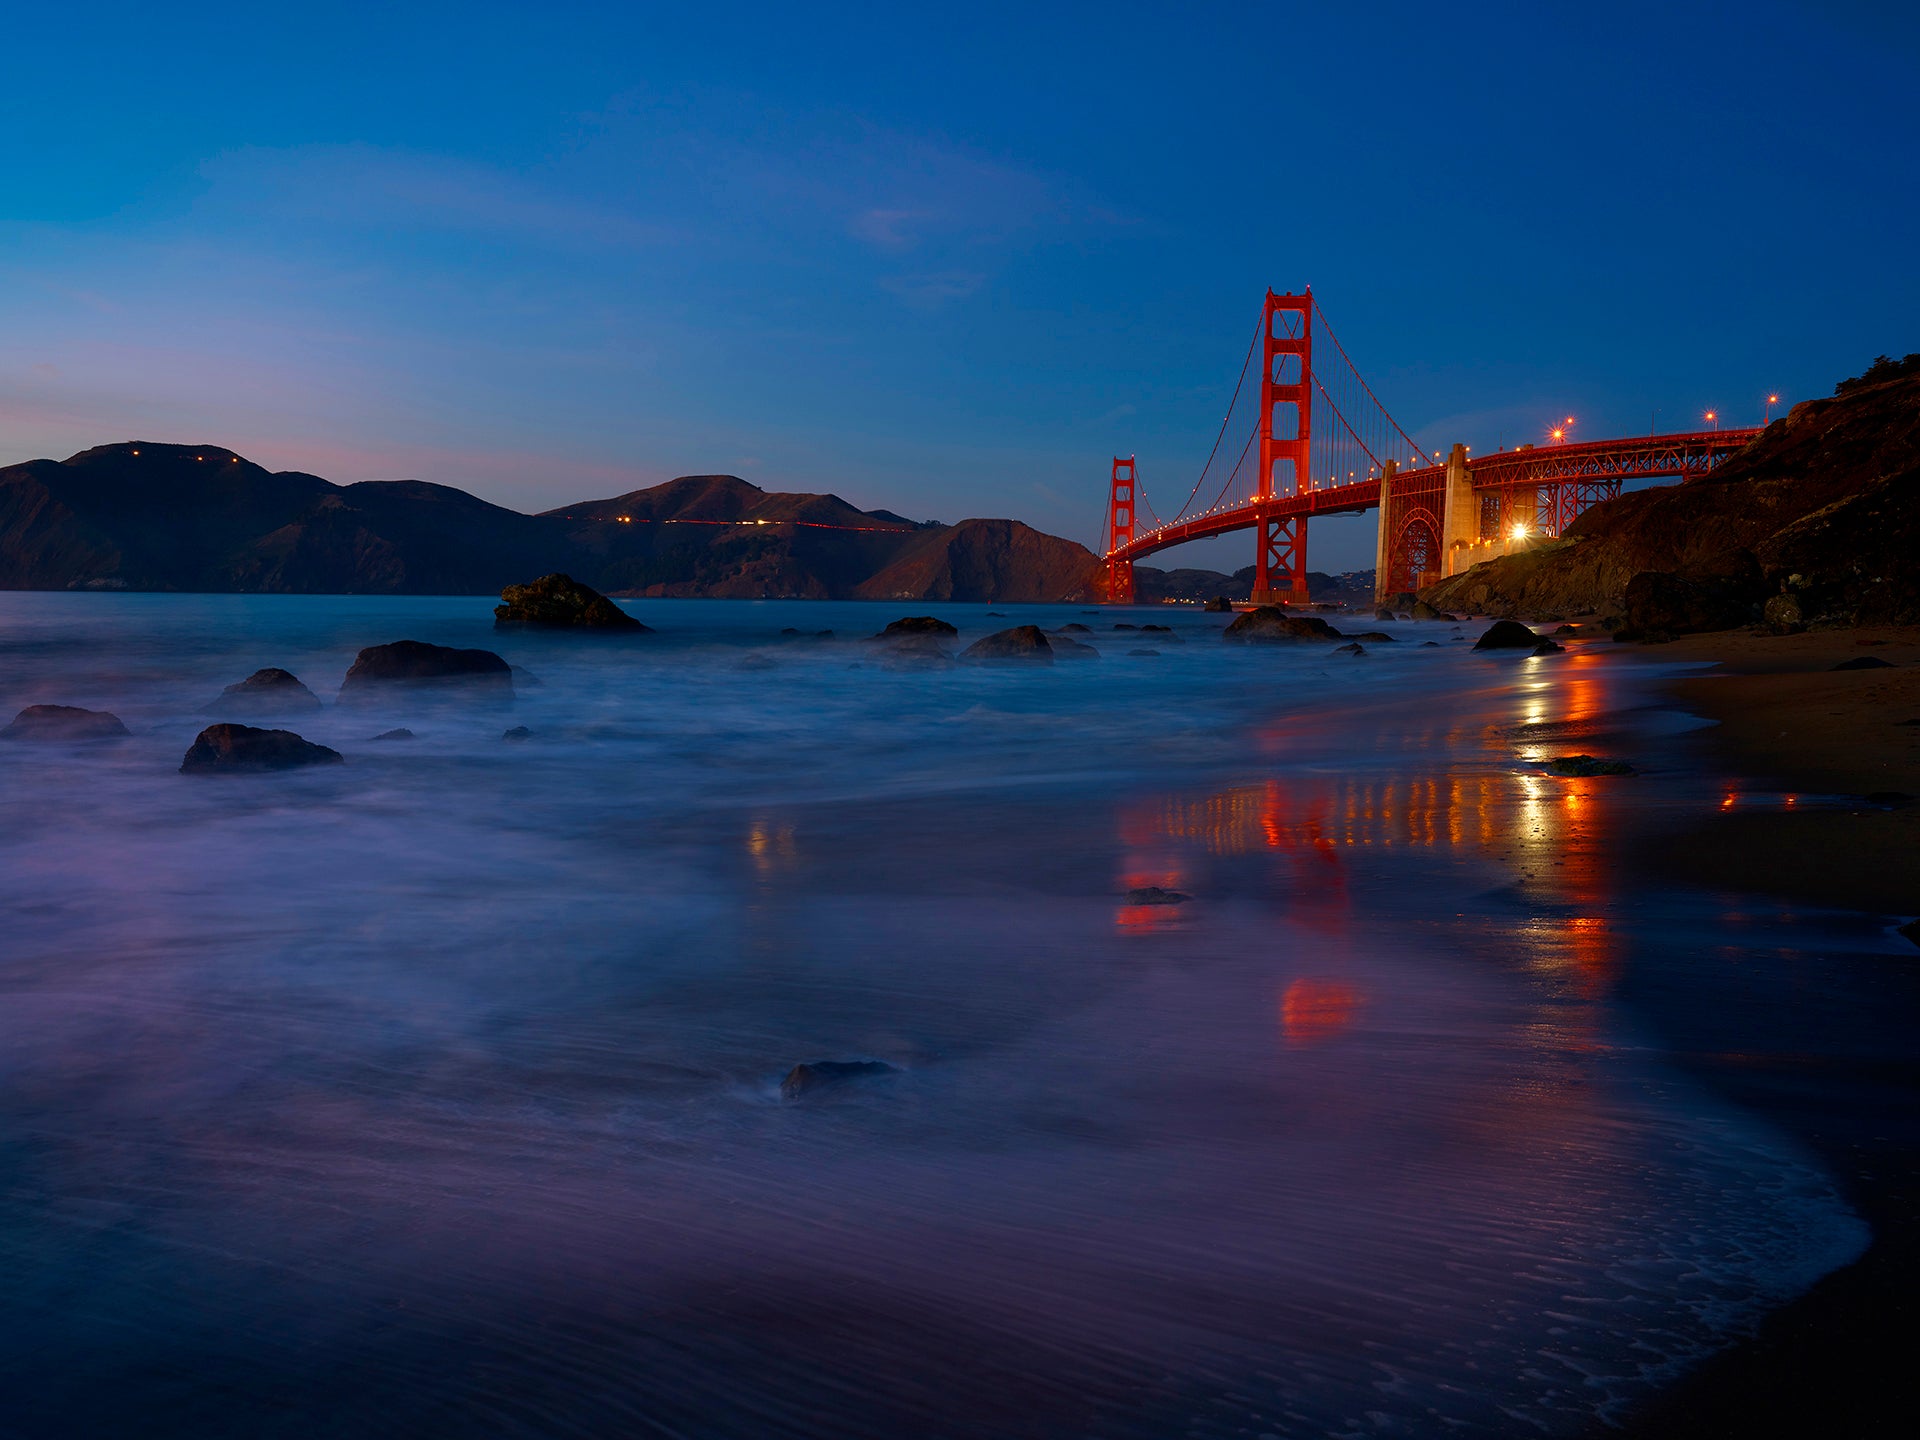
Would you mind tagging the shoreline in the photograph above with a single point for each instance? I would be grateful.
(1831, 1361)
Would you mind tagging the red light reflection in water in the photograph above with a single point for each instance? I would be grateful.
(1314, 1010)
(1554, 833)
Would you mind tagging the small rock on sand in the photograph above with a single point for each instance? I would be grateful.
(1507, 635)
(816, 1075)
(1580, 766)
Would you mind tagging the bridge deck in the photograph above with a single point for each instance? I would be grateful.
(1639, 457)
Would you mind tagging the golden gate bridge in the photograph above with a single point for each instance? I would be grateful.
(1313, 439)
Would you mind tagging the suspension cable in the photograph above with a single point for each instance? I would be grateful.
(1225, 420)
(1355, 369)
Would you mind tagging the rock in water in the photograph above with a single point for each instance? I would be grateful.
(401, 734)
(1065, 647)
(1547, 647)
(1349, 649)
(1154, 895)
(1381, 612)
(1219, 603)
(819, 1075)
(1423, 611)
(916, 637)
(919, 638)
(241, 748)
(518, 732)
(63, 722)
(1023, 643)
(1507, 635)
(1269, 624)
(1912, 931)
(270, 690)
(409, 663)
(917, 625)
(1374, 637)
(1863, 662)
(559, 602)
(1580, 766)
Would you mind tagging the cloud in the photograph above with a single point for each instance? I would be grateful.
(930, 292)
(886, 229)
(362, 186)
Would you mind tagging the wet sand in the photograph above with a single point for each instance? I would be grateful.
(1833, 1363)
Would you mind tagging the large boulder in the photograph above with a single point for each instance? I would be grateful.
(559, 602)
(1271, 624)
(63, 722)
(241, 748)
(1022, 644)
(1507, 635)
(386, 669)
(1219, 604)
(271, 691)
(1421, 610)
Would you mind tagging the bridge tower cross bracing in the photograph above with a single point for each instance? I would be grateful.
(1286, 378)
(1120, 528)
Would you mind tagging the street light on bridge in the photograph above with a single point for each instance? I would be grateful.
(1766, 416)
(1713, 417)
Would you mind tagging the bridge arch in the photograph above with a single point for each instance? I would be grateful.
(1414, 558)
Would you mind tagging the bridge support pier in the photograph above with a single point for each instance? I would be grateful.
(1459, 515)
(1383, 540)
(1280, 569)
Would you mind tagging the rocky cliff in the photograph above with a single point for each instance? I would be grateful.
(146, 516)
(1816, 522)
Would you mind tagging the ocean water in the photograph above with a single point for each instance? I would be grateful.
(437, 1093)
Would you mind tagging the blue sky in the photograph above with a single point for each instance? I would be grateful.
(948, 263)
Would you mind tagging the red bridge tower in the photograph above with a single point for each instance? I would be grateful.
(1280, 568)
(1120, 532)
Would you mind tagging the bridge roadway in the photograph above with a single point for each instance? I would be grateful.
(1542, 488)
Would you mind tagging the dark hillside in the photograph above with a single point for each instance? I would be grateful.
(143, 516)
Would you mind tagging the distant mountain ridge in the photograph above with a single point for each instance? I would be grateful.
(148, 516)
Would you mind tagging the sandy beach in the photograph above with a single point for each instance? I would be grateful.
(1835, 757)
